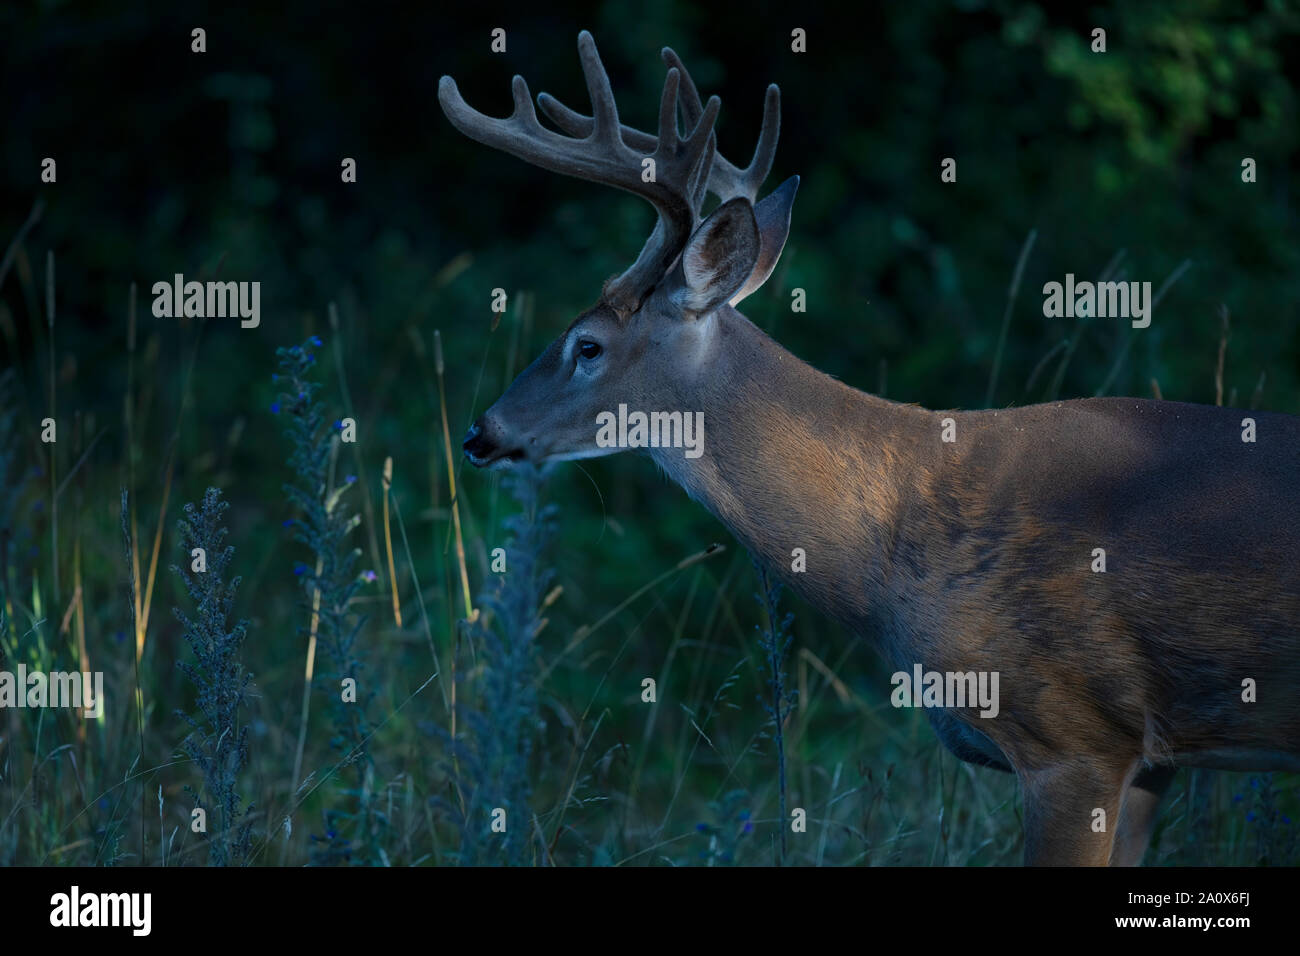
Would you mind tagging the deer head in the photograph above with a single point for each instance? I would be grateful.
(646, 342)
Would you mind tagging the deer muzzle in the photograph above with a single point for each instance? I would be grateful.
(486, 444)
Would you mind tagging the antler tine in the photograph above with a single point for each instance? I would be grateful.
(692, 105)
(698, 181)
(520, 134)
(727, 180)
(700, 185)
(605, 151)
(690, 159)
(604, 111)
(575, 124)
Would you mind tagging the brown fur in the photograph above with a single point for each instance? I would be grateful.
(966, 556)
(977, 556)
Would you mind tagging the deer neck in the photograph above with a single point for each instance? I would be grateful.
(794, 459)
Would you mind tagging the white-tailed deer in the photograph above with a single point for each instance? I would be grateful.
(973, 554)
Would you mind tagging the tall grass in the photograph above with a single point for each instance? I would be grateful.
(779, 701)
(11, 480)
(218, 740)
(547, 724)
(323, 525)
(494, 755)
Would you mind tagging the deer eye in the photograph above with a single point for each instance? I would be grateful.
(588, 349)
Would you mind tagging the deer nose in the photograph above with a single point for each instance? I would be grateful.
(475, 445)
(489, 441)
(485, 442)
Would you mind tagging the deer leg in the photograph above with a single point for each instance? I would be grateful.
(1137, 815)
(1062, 824)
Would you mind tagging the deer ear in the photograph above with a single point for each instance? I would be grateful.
(773, 215)
(717, 260)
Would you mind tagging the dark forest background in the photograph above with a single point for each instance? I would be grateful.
(226, 164)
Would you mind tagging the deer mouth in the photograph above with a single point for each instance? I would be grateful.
(495, 456)
(503, 459)
(482, 451)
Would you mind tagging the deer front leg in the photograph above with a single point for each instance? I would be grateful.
(1137, 815)
(1062, 823)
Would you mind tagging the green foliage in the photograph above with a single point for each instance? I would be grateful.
(729, 830)
(775, 639)
(494, 764)
(217, 742)
(323, 525)
(11, 481)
